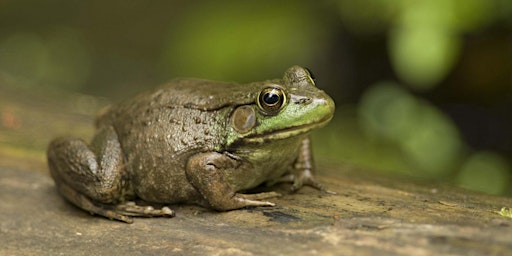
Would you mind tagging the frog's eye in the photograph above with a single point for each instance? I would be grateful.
(311, 76)
(271, 100)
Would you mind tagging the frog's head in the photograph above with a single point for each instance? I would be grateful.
(280, 109)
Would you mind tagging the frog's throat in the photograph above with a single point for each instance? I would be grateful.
(286, 133)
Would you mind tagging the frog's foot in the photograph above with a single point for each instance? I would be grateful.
(122, 212)
(254, 199)
(240, 200)
(132, 209)
(85, 203)
(301, 179)
(259, 196)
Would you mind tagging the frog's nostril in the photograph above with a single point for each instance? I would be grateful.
(304, 101)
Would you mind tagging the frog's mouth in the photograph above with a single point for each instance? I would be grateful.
(288, 132)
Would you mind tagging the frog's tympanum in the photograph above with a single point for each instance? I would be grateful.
(194, 141)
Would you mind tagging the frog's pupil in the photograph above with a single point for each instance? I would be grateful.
(271, 98)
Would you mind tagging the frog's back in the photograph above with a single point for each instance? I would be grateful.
(159, 130)
(181, 116)
(196, 94)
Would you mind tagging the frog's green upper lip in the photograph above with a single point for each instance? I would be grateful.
(287, 132)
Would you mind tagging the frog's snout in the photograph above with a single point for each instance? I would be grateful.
(325, 106)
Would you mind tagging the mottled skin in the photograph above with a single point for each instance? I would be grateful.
(194, 141)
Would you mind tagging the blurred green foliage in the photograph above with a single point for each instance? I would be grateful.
(424, 134)
(58, 60)
(424, 36)
(385, 120)
(241, 40)
(485, 171)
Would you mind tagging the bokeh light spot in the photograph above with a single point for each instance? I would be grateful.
(426, 136)
(433, 143)
(422, 56)
(387, 110)
(486, 172)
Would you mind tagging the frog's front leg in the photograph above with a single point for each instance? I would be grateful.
(205, 171)
(302, 171)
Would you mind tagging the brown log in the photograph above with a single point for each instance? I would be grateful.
(371, 214)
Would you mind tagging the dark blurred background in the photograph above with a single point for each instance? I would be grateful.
(423, 88)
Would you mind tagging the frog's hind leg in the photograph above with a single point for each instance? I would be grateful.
(89, 176)
(122, 212)
(119, 212)
(86, 204)
(93, 176)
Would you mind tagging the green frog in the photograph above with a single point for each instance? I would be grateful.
(194, 141)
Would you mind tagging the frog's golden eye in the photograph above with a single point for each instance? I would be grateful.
(311, 76)
(271, 100)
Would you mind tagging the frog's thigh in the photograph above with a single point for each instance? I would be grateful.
(93, 170)
(205, 172)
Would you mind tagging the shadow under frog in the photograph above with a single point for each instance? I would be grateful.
(194, 141)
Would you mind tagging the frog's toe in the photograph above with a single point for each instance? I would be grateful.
(132, 209)
(260, 196)
(116, 216)
(252, 203)
(297, 184)
(112, 215)
(317, 185)
(308, 180)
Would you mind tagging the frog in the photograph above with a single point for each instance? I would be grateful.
(194, 141)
